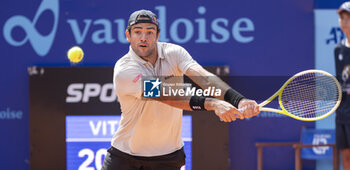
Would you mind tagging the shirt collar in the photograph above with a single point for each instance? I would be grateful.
(160, 54)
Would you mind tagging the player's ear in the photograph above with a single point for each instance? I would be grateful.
(127, 34)
(158, 33)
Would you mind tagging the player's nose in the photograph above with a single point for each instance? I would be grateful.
(143, 37)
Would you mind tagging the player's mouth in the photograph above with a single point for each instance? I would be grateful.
(143, 46)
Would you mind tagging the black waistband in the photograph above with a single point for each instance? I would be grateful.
(117, 152)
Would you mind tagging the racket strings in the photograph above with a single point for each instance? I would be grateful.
(310, 95)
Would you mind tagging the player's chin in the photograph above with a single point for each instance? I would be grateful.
(144, 54)
(143, 48)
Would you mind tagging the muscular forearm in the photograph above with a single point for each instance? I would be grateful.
(210, 103)
(206, 79)
(223, 109)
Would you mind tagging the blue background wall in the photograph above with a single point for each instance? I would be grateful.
(255, 38)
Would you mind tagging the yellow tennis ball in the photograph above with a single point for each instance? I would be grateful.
(75, 54)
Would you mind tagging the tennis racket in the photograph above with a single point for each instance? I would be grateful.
(308, 96)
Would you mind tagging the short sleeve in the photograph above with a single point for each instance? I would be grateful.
(183, 59)
(127, 82)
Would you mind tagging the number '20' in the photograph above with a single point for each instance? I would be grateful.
(100, 154)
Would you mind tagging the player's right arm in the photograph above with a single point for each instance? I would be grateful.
(206, 80)
(127, 82)
(223, 109)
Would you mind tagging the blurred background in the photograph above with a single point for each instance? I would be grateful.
(254, 39)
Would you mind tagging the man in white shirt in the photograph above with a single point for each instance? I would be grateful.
(149, 134)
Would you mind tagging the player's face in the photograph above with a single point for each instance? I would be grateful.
(344, 21)
(143, 38)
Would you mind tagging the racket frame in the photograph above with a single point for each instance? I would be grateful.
(285, 112)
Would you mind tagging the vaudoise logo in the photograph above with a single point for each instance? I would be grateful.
(40, 43)
(199, 28)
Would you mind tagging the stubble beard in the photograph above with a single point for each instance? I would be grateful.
(145, 54)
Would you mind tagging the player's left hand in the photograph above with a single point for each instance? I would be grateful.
(249, 108)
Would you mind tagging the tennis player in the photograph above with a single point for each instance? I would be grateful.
(149, 134)
(342, 64)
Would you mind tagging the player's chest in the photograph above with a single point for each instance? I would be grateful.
(160, 68)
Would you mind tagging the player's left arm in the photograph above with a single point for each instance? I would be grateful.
(205, 79)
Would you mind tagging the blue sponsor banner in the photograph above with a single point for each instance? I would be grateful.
(326, 4)
(89, 137)
(317, 136)
(45, 32)
(252, 37)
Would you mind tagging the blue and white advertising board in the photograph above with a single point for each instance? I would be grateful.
(89, 137)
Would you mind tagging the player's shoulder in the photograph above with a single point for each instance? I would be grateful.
(126, 65)
(168, 45)
(169, 48)
(172, 52)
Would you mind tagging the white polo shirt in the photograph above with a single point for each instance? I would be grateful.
(148, 127)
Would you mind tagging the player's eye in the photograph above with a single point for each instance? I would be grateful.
(137, 32)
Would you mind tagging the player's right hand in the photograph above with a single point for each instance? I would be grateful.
(226, 111)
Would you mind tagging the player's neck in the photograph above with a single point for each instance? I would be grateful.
(151, 58)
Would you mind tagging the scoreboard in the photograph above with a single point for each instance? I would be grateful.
(89, 136)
